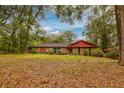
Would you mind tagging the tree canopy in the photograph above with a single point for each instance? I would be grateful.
(19, 26)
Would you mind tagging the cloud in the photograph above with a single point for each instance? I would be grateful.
(55, 32)
(51, 30)
(81, 37)
(52, 25)
(47, 28)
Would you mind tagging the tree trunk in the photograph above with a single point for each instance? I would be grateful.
(119, 10)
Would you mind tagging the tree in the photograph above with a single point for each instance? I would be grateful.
(66, 36)
(119, 10)
(16, 23)
(68, 14)
(102, 27)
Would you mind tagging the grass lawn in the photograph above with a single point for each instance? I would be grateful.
(43, 70)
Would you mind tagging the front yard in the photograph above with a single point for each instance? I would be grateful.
(42, 70)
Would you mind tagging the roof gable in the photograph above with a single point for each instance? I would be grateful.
(82, 43)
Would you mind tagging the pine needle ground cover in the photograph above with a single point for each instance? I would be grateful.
(43, 70)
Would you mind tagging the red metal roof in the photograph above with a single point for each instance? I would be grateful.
(83, 44)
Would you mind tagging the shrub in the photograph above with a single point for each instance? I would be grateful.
(33, 50)
(112, 54)
(97, 52)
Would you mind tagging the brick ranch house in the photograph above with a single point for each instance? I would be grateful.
(77, 47)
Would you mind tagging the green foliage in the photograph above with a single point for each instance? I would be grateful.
(19, 26)
(102, 27)
(97, 52)
(56, 50)
(66, 36)
(33, 50)
(112, 54)
(69, 13)
(16, 24)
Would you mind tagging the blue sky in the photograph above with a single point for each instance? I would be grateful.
(53, 25)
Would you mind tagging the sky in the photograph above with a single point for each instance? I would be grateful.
(53, 25)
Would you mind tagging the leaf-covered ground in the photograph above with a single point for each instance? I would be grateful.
(42, 70)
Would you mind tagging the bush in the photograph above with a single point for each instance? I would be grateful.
(97, 52)
(33, 50)
(112, 54)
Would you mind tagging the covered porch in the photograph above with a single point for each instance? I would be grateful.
(80, 51)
